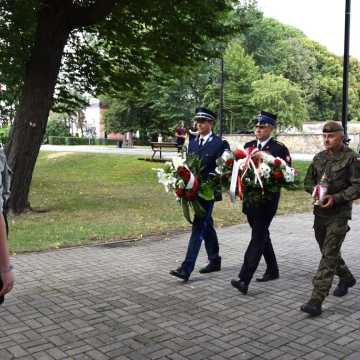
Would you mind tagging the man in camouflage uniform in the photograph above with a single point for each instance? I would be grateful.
(341, 167)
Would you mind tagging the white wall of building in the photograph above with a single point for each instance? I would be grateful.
(92, 117)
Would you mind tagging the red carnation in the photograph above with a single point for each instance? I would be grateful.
(190, 195)
(180, 192)
(229, 163)
(278, 176)
(240, 154)
(184, 173)
(277, 163)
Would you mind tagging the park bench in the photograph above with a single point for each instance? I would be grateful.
(162, 146)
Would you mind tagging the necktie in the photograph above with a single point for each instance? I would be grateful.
(259, 146)
(201, 142)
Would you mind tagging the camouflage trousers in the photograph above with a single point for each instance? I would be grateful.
(330, 234)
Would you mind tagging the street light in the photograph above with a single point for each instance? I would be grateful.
(221, 110)
(344, 118)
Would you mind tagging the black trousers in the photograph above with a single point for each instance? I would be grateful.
(260, 244)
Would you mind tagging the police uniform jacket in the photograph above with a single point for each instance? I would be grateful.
(269, 207)
(208, 153)
(273, 147)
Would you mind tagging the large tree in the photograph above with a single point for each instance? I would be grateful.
(279, 96)
(98, 45)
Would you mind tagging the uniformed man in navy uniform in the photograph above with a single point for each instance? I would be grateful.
(260, 216)
(209, 147)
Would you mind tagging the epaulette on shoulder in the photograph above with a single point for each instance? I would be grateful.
(279, 143)
(251, 142)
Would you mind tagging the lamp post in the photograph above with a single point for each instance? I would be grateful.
(221, 110)
(345, 98)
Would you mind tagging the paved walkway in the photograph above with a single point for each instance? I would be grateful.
(136, 150)
(119, 302)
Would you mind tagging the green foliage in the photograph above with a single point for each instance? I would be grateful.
(241, 72)
(279, 96)
(263, 40)
(68, 140)
(17, 28)
(56, 140)
(57, 128)
(4, 134)
(268, 66)
(284, 50)
(78, 141)
(162, 103)
(155, 62)
(111, 55)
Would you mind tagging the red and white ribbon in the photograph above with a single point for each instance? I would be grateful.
(243, 164)
(191, 182)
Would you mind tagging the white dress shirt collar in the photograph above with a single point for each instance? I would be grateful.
(263, 143)
(205, 137)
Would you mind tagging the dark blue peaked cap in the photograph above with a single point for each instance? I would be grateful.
(265, 118)
(204, 113)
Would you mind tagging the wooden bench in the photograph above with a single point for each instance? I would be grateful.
(162, 146)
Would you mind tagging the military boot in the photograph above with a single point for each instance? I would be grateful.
(312, 308)
(343, 286)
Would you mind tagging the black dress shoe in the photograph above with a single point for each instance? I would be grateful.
(313, 309)
(211, 267)
(342, 287)
(180, 273)
(240, 285)
(268, 277)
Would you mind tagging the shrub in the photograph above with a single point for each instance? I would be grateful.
(57, 128)
(56, 140)
(4, 134)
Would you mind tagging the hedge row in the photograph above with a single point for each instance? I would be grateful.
(62, 140)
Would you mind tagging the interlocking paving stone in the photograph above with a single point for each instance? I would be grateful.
(99, 302)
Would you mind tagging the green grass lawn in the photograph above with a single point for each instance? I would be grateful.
(94, 198)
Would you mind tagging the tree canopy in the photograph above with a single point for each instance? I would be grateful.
(268, 66)
(52, 50)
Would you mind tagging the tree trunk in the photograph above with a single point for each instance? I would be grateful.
(31, 118)
(56, 18)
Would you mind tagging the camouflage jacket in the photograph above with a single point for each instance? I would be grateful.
(5, 180)
(343, 175)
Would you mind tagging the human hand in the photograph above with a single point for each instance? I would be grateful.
(8, 280)
(328, 202)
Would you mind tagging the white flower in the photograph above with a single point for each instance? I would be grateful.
(227, 155)
(265, 170)
(219, 170)
(289, 174)
(178, 161)
(165, 178)
(181, 184)
(267, 158)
